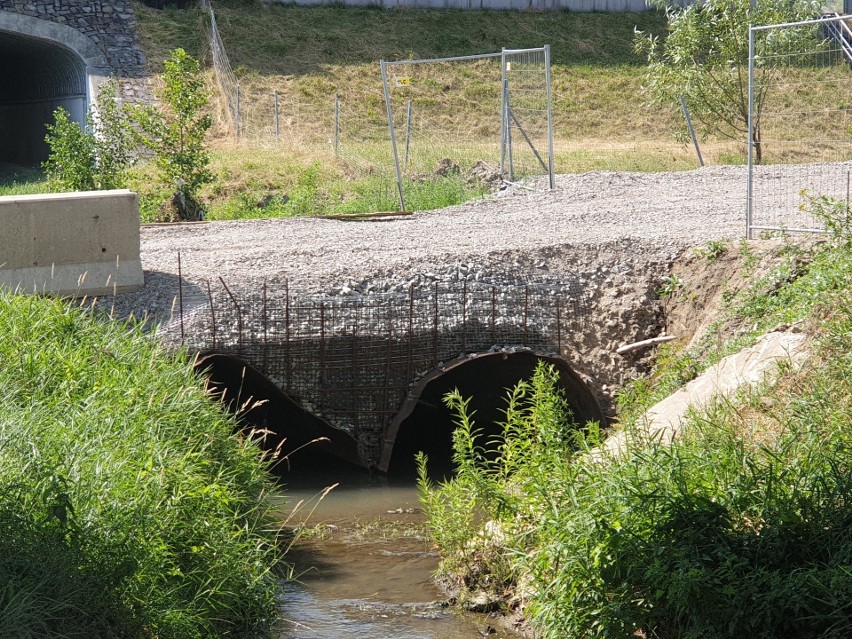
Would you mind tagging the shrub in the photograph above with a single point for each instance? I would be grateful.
(97, 156)
(127, 506)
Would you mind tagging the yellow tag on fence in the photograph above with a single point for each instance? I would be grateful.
(403, 82)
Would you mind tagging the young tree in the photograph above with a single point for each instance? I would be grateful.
(704, 57)
(95, 156)
(175, 133)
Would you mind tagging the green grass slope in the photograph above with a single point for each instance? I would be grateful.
(127, 506)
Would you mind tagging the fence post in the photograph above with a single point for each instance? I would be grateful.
(691, 129)
(503, 114)
(277, 120)
(407, 134)
(337, 124)
(509, 130)
(393, 134)
(549, 116)
(749, 191)
(238, 122)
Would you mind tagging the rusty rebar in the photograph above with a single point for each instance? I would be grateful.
(180, 299)
(288, 360)
(322, 348)
(212, 313)
(239, 316)
(464, 317)
(493, 315)
(265, 332)
(435, 359)
(558, 325)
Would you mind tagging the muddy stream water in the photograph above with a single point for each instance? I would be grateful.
(364, 568)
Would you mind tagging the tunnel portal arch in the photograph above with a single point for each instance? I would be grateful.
(45, 65)
(424, 423)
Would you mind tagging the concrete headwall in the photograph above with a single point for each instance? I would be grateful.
(70, 243)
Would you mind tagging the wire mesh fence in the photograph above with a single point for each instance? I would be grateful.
(505, 132)
(225, 76)
(800, 121)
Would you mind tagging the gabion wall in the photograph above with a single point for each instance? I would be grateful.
(353, 359)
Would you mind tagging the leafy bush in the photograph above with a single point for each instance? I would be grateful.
(127, 506)
(97, 156)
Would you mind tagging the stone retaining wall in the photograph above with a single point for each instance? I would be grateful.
(109, 24)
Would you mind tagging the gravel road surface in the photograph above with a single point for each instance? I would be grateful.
(632, 213)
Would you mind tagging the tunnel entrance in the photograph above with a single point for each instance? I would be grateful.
(278, 421)
(426, 424)
(37, 77)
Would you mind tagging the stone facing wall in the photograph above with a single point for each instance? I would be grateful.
(109, 24)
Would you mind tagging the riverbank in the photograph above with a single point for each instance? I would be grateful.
(737, 527)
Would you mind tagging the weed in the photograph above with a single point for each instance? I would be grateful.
(670, 285)
(712, 250)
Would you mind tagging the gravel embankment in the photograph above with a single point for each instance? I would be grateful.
(638, 216)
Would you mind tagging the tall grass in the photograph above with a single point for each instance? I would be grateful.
(740, 528)
(128, 508)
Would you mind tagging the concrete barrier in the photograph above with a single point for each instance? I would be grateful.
(70, 243)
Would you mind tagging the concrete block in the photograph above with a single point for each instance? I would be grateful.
(71, 244)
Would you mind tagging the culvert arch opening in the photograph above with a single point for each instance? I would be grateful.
(425, 423)
(38, 76)
(310, 445)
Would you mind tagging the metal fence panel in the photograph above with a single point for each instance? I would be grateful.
(800, 121)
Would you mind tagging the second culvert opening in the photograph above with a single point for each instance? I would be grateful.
(426, 424)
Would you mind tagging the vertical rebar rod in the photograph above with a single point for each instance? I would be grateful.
(239, 316)
(180, 299)
(288, 363)
(265, 332)
(407, 134)
(212, 314)
(435, 329)
(388, 363)
(337, 124)
(559, 325)
(493, 315)
(277, 116)
(392, 135)
(464, 317)
(410, 335)
(691, 128)
(355, 386)
(322, 348)
(526, 312)
(550, 159)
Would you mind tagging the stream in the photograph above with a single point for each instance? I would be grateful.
(364, 568)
